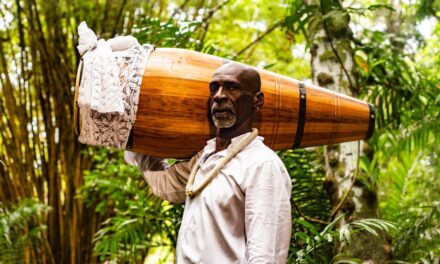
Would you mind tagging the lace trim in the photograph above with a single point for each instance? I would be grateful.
(113, 128)
(100, 88)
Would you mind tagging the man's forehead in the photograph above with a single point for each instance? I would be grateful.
(231, 67)
(233, 71)
(225, 77)
(247, 77)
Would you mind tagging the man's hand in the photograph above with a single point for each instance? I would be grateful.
(144, 162)
(130, 157)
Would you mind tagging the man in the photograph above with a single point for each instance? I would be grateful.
(242, 214)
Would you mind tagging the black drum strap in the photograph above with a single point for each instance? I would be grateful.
(372, 120)
(301, 115)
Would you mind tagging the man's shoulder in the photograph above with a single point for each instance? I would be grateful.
(258, 153)
(261, 163)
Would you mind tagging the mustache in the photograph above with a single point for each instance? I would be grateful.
(222, 107)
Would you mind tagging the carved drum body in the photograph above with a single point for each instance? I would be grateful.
(173, 120)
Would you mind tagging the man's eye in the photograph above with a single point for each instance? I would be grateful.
(231, 86)
(213, 87)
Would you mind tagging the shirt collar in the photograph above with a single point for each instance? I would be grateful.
(210, 144)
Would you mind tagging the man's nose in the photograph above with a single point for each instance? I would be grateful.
(220, 95)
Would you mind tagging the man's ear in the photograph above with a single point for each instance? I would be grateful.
(258, 100)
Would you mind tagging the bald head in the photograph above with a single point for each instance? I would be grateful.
(247, 76)
(234, 96)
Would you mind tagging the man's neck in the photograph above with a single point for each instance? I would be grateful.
(225, 135)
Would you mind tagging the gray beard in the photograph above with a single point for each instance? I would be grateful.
(225, 123)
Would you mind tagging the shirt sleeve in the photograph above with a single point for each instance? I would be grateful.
(267, 213)
(167, 182)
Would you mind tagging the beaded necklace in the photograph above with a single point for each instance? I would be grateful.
(191, 191)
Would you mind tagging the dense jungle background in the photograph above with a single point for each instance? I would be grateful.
(364, 202)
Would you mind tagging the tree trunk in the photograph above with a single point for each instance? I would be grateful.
(39, 155)
(333, 67)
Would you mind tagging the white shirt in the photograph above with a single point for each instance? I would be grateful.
(242, 216)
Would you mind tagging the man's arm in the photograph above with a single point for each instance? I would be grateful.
(167, 182)
(267, 213)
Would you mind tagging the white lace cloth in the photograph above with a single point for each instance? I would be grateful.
(102, 91)
(109, 89)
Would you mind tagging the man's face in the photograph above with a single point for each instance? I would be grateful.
(231, 96)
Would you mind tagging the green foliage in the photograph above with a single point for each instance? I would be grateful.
(312, 245)
(309, 200)
(305, 167)
(170, 33)
(317, 246)
(405, 163)
(427, 8)
(411, 199)
(369, 225)
(135, 220)
(20, 227)
(298, 17)
(398, 73)
(394, 82)
(419, 238)
(238, 32)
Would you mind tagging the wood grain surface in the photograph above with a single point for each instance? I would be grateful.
(173, 119)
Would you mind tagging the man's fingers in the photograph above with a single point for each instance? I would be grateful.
(130, 157)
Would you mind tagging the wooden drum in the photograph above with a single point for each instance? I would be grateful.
(173, 118)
